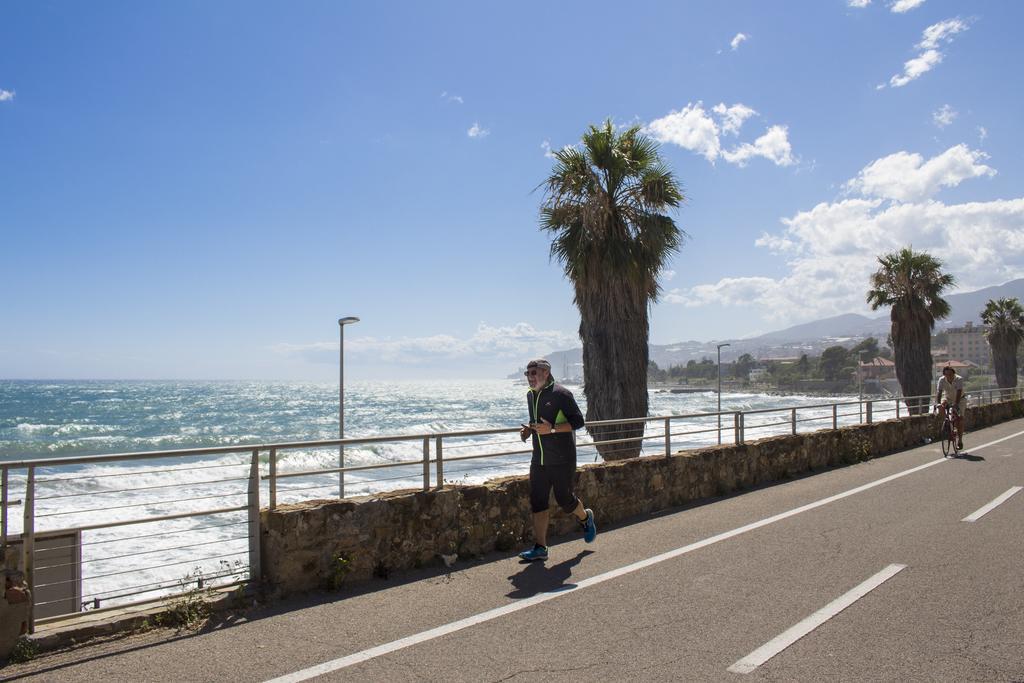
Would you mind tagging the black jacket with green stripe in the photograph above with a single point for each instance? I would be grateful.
(555, 404)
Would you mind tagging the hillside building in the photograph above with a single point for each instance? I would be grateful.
(968, 343)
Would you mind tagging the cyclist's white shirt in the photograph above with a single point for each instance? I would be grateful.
(949, 389)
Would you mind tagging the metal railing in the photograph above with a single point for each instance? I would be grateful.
(130, 524)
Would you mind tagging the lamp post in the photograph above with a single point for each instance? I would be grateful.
(860, 384)
(341, 399)
(719, 350)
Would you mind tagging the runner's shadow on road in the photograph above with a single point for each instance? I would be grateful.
(537, 578)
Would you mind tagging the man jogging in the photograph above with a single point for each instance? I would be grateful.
(554, 416)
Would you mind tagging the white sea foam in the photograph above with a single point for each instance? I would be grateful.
(77, 419)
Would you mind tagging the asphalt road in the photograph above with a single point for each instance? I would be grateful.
(690, 594)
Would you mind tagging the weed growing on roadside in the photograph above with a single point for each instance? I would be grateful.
(25, 650)
(341, 566)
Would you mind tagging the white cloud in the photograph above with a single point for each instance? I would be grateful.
(737, 39)
(548, 153)
(6, 95)
(941, 32)
(907, 177)
(451, 98)
(930, 56)
(944, 116)
(773, 145)
(488, 342)
(732, 118)
(831, 249)
(476, 131)
(901, 6)
(859, 4)
(982, 133)
(693, 128)
(916, 67)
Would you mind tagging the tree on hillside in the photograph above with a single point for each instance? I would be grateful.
(833, 359)
(743, 365)
(606, 205)
(1005, 320)
(912, 284)
(866, 349)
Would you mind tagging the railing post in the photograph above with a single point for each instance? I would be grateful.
(867, 411)
(273, 478)
(897, 409)
(668, 437)
(3, 508)
(28, 544)
(440, 463)
(426, 463)
(792, 420)
(254, 518)
(835, 416)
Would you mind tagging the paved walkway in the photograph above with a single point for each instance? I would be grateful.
(908, 567)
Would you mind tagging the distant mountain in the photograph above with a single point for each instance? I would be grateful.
(969, 305)
(847, 325)
(811, 338)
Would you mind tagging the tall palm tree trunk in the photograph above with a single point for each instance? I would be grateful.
(613, 328)
(1004, 361)
(913, 358)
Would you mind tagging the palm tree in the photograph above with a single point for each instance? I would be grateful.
(605, 205)
(1005, 320)
(912, 284)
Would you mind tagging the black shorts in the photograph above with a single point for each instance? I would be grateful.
(543, 478)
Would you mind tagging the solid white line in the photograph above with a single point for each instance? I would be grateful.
(798, 631)
(984, 510)
(373, 652)
(998, 440)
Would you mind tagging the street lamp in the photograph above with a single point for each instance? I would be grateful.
(341, 399)
(719, 349)
(860, 383)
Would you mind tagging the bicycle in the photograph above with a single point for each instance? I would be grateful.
(948, 435)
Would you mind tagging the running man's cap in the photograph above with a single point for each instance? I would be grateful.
(541, 363)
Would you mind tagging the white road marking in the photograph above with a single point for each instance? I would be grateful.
(798, 631)
(482, 617)
(984, 510)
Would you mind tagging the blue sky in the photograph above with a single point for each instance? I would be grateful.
(199, 190)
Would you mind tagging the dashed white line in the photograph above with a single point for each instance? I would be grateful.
(985, 509)
(801, 629)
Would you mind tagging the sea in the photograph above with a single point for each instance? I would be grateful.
(134, 561)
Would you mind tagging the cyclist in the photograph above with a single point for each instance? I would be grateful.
(948, 393)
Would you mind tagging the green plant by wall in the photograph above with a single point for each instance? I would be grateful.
(341, 567)
(25, 650)
(190, 608)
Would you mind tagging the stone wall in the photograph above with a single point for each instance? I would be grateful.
(325, 544)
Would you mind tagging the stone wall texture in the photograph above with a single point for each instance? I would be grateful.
(332, 543)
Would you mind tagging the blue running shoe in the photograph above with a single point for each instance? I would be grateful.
(589, 528)
(537, 552)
